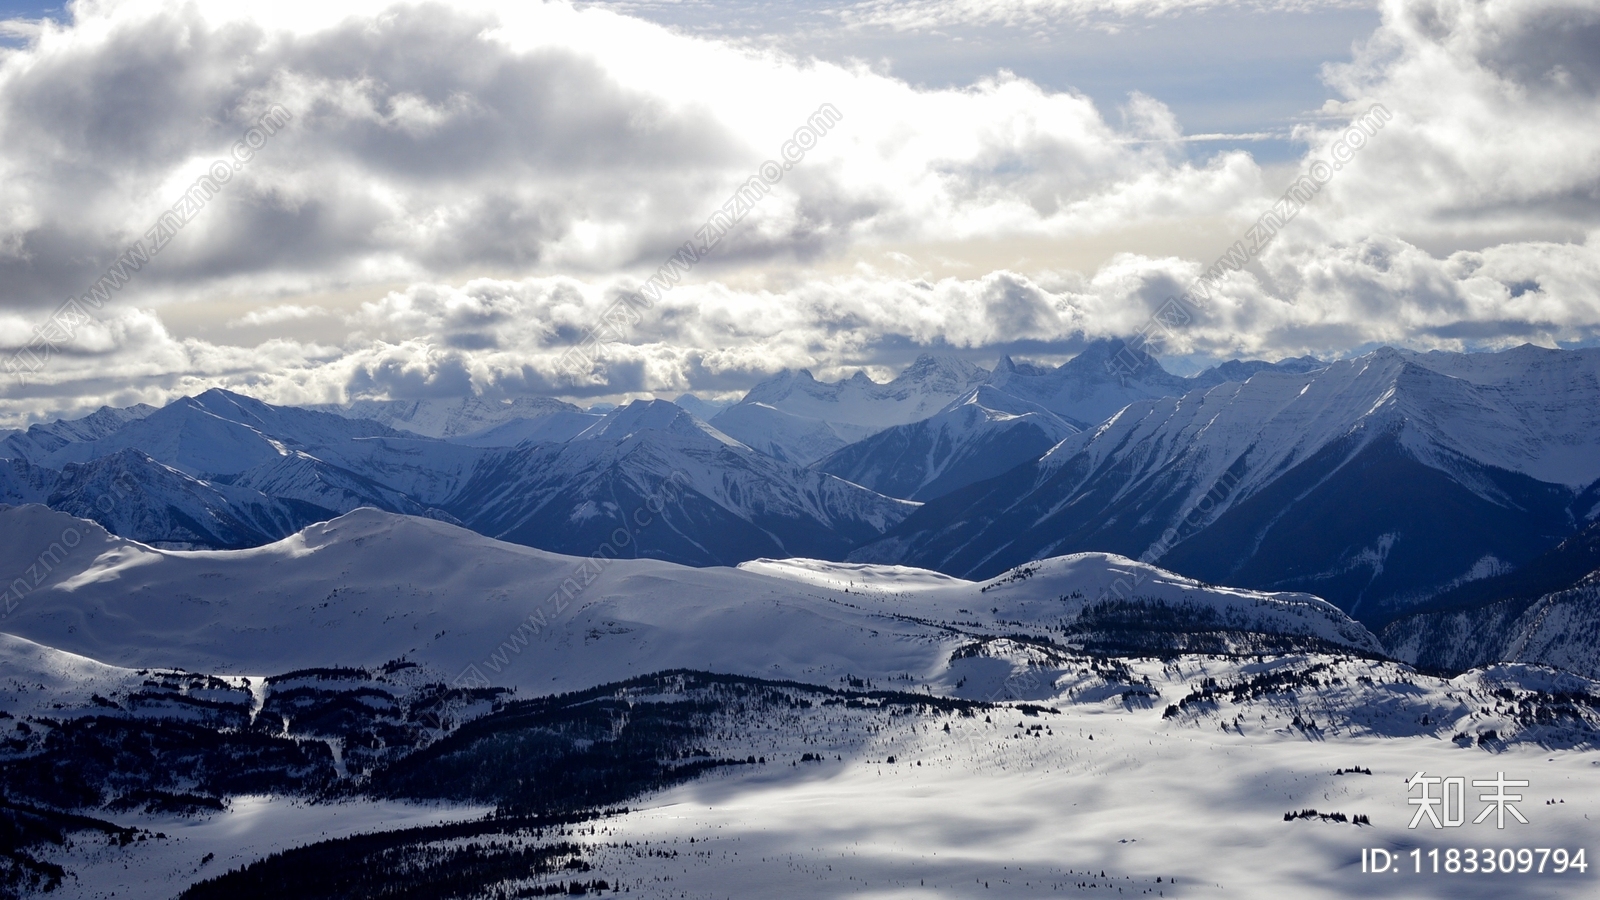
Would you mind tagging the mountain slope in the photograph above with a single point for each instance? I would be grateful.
(39, 441)
(326, 490)
(675, 487)
(1560, 629)
(980, 435)
(141, 499)
(796, 418)
(222, 433)
(786, 436)
(22, 482)
(1376, 482)
(555, 427)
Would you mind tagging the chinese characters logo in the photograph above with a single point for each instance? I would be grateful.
(1443, 800)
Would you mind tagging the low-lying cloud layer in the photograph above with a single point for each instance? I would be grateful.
(463, 191)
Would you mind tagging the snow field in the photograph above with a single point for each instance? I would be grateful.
(1012, 804)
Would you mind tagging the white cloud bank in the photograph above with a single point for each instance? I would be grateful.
(518, 165)
(934, 15)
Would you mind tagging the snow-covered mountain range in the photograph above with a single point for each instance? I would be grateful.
(981, 434)
(1387, 483)
(796, 418)
(675, 488)
(1376, 482)
(449, 418)
(793, 417)
(226, 471)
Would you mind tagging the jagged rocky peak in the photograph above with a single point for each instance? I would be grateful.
(1008, 366)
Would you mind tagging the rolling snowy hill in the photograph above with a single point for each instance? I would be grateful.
(369, 587)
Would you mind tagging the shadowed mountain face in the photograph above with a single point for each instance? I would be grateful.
(1016, 415)
(795, 418)
(1545, 612)
(660, 483)
(984, 433)
(1377, 483)
(225, 471)
(1560, 629)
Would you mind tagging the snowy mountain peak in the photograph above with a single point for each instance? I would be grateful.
(780, 386)
(450, 417)
(39, 441)
(993, 400)
(941, 371)
(227, 404)
(651, 415)
(703, 410)
(99, 423)
(1084, 390)
(1294, 479)
(978, 435)
(793, 417)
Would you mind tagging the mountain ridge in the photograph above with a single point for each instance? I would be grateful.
(1185, 481)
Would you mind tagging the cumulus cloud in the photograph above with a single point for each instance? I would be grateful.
(497, 176)
(1496, 130)
(432, 140)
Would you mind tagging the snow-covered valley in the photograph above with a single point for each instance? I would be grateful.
(1091, 793)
